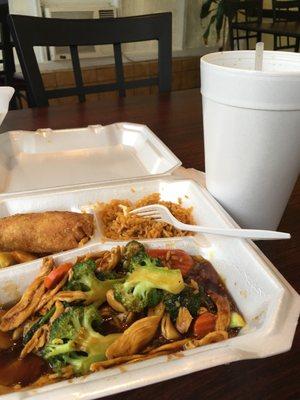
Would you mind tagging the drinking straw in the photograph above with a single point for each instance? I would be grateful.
(259, 54)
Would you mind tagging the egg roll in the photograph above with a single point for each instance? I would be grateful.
(45, 232)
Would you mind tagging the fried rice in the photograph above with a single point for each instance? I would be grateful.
(118, 224)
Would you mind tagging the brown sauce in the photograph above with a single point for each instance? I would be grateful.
(14, 371)
(204, 274)
(5, 341)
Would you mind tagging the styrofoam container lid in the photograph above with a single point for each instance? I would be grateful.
(48, 159)
(6, 93)
(229, 78)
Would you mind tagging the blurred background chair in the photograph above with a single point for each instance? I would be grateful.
(285, 11)
(8, 75)
(239, 13)
(28, 32)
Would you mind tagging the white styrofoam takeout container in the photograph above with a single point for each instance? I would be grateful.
(268, 302)
(270, 305)
(47, 159)
(56, 163)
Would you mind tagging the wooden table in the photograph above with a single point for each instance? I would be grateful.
(177, 120)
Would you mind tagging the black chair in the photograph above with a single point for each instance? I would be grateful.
(32, 31)
(8, 75)
(285, 11)
(241, 12)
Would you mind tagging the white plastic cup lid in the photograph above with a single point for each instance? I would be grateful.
(230, 78)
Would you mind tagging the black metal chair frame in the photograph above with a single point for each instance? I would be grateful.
(284, 11)
(252, 11)
(9, 68)
(28, 32)
(6, 47)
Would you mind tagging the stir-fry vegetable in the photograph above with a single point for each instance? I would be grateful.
(142, 287)
(190, 299)
(56, 275)
(84, 279)
(177, 259)
(116, 306)
(204, 324)
(73, 340)
(236, 320)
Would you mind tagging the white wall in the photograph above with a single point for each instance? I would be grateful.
(113, 3)
(25, 7)
(187, 26)
(177, 7)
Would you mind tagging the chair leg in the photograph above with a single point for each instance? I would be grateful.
(231, 40)
(297, 45)
(13, 104)
(259, 36)
(274, 42)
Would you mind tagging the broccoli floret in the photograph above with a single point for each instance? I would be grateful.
(130, 250)
(108, 275)
(136, 303)
(142, 287)
(189, 299)
(73, 340)
(84, 278)
(142, 259)
(154, 297)
(135, 254)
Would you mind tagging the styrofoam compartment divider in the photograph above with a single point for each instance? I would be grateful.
(84, 199)
(47, 159)
(269, 304)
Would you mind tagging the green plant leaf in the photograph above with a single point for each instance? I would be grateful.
(206, 33)
(220, 14)
(205, 9)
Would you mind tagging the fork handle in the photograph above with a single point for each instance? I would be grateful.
(257, 234)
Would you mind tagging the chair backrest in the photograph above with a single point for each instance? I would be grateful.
(248, 11)
(6, 46)
(287, 10)
(34, 31)
(244, 11)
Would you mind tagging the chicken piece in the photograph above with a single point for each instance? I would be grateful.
(109, 259)
(49, 297)
(46, 232)
(70, 295)
(171, 347)
(99, 366)
(134, 338)
(26, 307)
(212, 337)
(223, 315)
(37, 341)
(22, 256)
(59, 309)
(6, 259)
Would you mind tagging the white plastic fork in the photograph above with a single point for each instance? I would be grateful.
(161, 213)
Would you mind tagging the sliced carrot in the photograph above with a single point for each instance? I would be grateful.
(204, 324)
(177, 259)
(56, 275)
